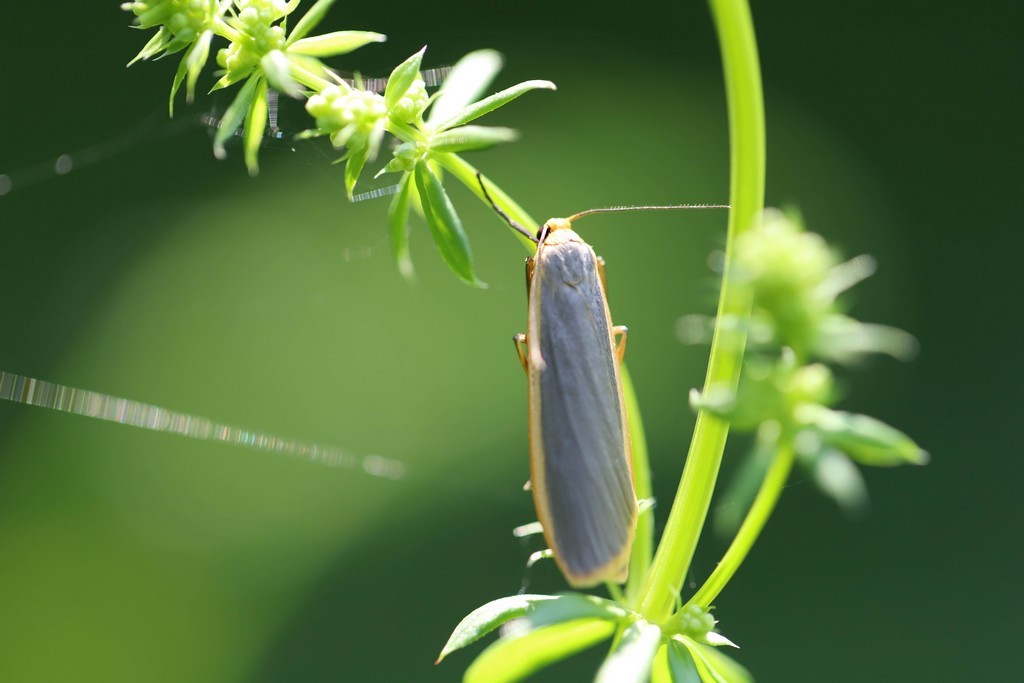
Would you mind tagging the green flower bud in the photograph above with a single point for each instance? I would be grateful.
(407, 154)
(785, 267)
(412, 103)
(809, 384)
(181, 23)
(353, 118)
(695, 622)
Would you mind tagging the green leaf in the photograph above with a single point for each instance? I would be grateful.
(401, 78)
(633, 656)
(465, 138)
(513, 659)
(335, 43)
(154, 46)
(232, 77)
(354, 166)
(660, 671)
(716, 639)
(278, 68)
(309, 20)
(847, 340)
(179, 78)
(843, 276)
(467, 81)
(196, 59)
(681, 665)
(489, 104)
(865, 439)
(233, 117)
(713, 666)
(486, 618)
(255, 124)
(445, 225)
(839, 479)
(398, 217)
(573, 606)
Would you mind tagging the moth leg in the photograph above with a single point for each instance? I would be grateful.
(600, 273)
(620, 331)
(520, 342)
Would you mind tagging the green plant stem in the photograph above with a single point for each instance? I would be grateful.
(226, 31)
(753, 523)
(308, 78)
(643, 542)
(402, 131)
(747, 173)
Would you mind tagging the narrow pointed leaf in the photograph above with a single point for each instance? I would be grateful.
(445, 225)
(233, 117)
(573, 606)
(335, 43)
(278, 68)
(465, 138)
(401, 78)
(174, 46)
(153, 47)
(398, 217)
(353, 167)
(231, 78)
(309, 20)
(633, 656)
(682, 668)
(196, 59)
(716, 639)
(708, 674)
(843, 276)
(255, 124)
(847, 340)
(513, 659)
(660, 672)
(489, 104)
(838, 478)
(179, 78)
(865, 439)
(467, 81)
(486, 618)
(715, 666)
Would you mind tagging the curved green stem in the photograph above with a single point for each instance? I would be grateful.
(753, 523)
(747, 138)
(643, 542)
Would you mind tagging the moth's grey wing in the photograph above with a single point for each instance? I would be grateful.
(588, 484)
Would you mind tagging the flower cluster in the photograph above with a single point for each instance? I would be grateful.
(786, 391)
(262, 55)
(410, 105)
(351, 118)
(181, 22)
(257, 35)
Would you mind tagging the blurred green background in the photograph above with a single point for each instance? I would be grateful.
(164, 276)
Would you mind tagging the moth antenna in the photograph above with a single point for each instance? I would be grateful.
(667, 207)
(497, 209)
